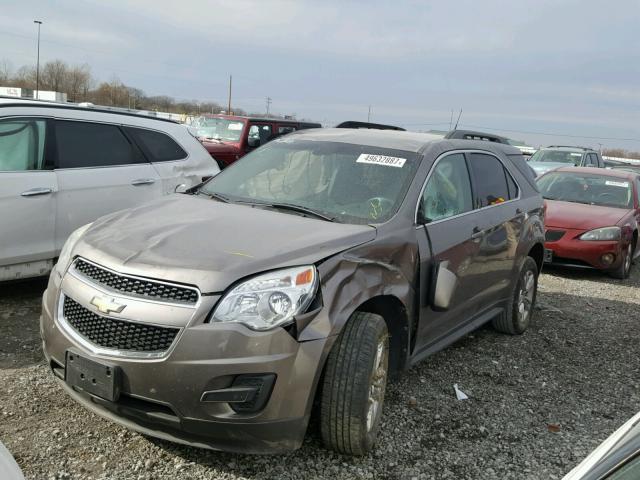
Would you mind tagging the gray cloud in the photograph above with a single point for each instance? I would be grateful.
(570, 67)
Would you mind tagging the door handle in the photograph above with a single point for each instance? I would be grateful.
(143, 181)
(36, 191)
(476, 234)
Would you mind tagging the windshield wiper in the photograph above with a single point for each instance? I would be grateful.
(215, 195)
(295, 208)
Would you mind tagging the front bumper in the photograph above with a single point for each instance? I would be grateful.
(571, 251)
(162, 397)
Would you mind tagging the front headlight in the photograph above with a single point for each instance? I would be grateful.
(65, 254)
(607, 233)
(269, 300)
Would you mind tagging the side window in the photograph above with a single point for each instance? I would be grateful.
(490, 180)
(628, 471)
(594, 160)
(84, 145)
(157, 146)
(260, 132)
(285, 130)
(448, 191)
(22, 144)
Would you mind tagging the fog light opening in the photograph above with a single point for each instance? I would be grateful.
(607, 258)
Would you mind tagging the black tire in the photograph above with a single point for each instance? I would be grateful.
(513, 321)
(624, 269)
(348, 379)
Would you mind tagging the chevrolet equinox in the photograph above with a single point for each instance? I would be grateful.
(299, 278)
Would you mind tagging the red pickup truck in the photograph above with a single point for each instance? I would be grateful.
(229, 137)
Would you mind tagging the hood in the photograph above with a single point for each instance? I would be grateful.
(197, 240)
(544, 167)
(579, 216)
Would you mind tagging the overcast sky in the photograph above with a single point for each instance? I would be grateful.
(547, 66)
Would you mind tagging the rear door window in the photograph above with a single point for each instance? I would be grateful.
(491, 180)
(86, 145)
(157, 146)
(22, 144)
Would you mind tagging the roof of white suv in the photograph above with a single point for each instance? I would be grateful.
(27, 102)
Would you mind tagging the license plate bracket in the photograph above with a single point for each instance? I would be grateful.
(548, 255)
(101, 379)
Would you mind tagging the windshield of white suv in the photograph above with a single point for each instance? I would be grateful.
(219, 129)
(338, 181)
(601, 190)
(557, 156)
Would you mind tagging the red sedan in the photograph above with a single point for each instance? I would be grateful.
(592, 219)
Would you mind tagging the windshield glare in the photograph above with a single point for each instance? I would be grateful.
(219, 129)
(349, 183)
(591, 189)
(557, 156)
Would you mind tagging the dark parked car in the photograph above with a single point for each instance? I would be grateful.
(311, 268)
(229, 137)
(593, 217)
(555, 156)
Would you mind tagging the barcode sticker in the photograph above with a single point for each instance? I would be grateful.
(381, 160)
(616, 184)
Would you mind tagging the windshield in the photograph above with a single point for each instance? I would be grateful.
(219, 129)
(345, 182)
(586, 188)
(557, 156)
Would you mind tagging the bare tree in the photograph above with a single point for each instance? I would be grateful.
(78, 82)
(53, 75)
(5, 71)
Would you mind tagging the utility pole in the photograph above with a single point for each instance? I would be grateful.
(451, 120)
(268, 105)
(369, 114)
(230, 81)
(38, 22)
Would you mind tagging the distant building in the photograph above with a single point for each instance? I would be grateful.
(29, 93)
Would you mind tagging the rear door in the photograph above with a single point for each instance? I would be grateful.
(99, 171)
(168, 158)
(446, 237)
(27, 199)
(499, 222)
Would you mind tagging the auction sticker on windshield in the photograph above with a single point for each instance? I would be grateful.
(381, 160)
(616, 184)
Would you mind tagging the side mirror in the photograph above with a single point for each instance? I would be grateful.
(443, 286)
(181, 188)
(253, 142)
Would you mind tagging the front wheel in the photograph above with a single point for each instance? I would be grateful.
(517, 317)
(354, 385)
(624, 269)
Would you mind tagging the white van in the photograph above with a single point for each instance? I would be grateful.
(62, 166)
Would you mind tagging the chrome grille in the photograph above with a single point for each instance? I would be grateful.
(139, 287)
(553, 235)
(117, 334)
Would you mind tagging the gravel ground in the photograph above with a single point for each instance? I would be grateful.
(537, 404)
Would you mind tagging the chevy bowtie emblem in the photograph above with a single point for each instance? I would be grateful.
(107, 305)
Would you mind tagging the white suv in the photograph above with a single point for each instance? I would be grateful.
(62, 166)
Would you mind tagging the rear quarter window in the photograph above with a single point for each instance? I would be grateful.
(157, 146)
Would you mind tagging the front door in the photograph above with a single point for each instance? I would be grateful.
(27, 200)
(99, 171)
(447, 238)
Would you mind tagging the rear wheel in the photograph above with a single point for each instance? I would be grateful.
(354, 385)
(517, 317)
(624, 269)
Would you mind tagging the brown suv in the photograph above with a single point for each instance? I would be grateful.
(312, 268)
